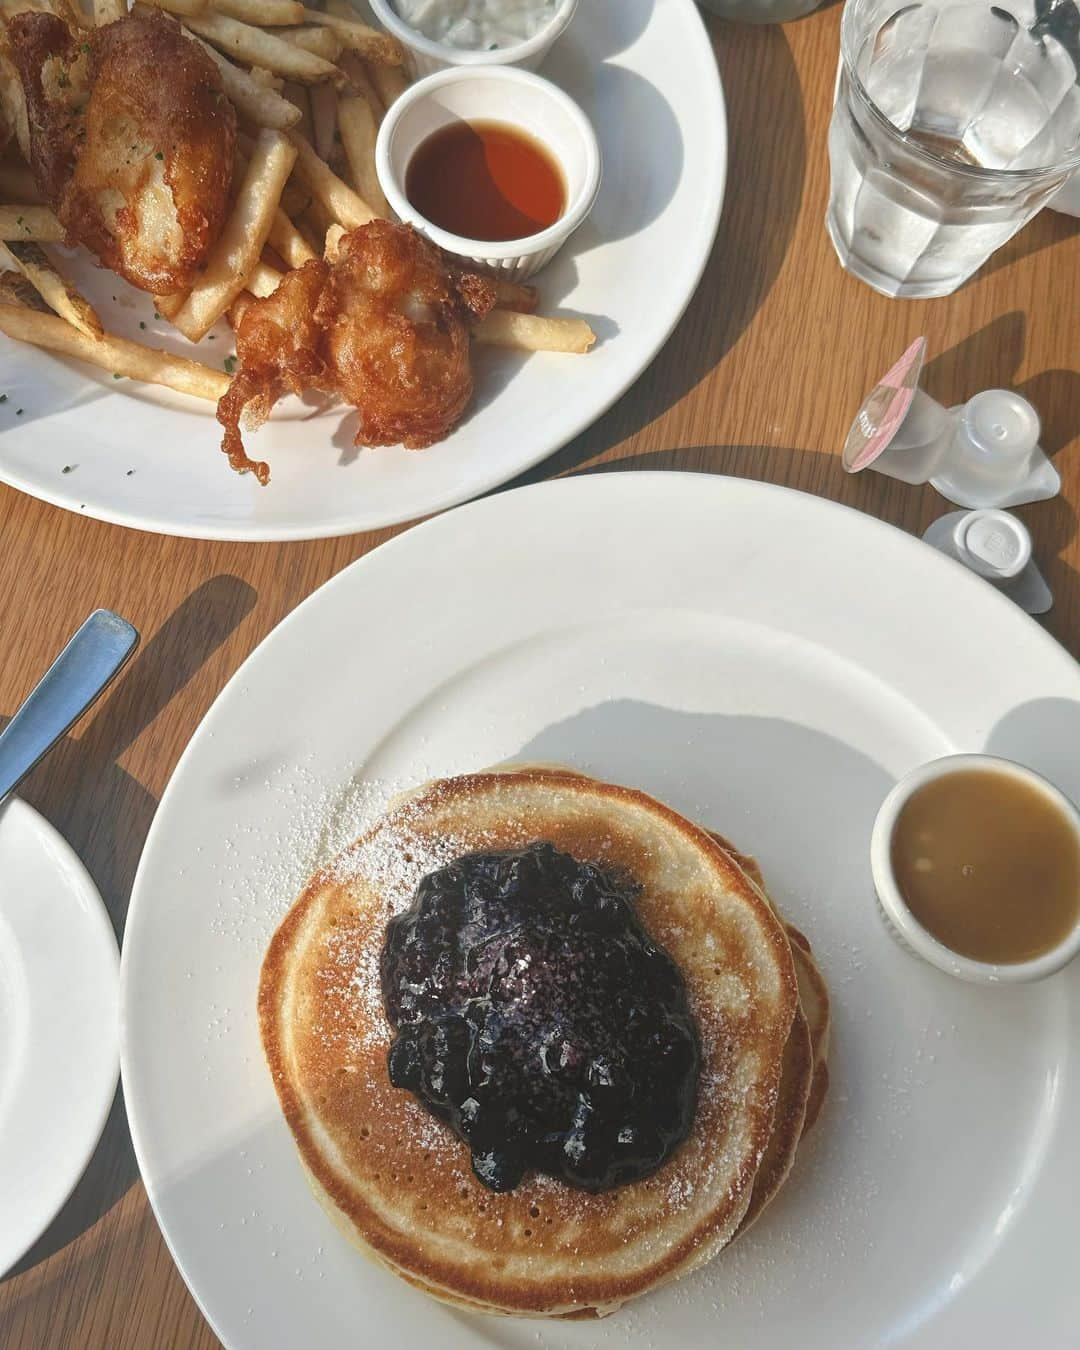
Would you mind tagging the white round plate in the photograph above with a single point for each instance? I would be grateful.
(644, 72)
(59, 1029)
(638, 627)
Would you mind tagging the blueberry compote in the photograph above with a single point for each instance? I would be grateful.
(536, 1016)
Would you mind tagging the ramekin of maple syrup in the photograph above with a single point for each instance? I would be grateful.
(976, 863)
(495, 165)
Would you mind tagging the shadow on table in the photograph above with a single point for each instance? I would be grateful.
(105, 815)
(1047, 229)
(989, 359)
(766, 170)
(813, 471)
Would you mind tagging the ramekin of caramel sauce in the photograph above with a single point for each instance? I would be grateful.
(976, 863)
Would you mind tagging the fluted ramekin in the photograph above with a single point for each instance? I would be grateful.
(894, 908)
(428, 56)
(493, 94)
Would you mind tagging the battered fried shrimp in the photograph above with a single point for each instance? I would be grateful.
(131, 141)
(386, 326)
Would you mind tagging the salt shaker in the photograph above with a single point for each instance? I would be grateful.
(996, 546)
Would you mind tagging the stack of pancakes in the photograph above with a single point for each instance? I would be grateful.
(398, 1182)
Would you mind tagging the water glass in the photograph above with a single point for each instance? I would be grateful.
(955, 121)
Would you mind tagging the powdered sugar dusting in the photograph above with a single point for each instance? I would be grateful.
(374, 876)
(325, 815)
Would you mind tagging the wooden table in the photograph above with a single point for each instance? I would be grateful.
(761, 380)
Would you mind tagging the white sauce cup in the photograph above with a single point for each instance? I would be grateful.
(904, 925)
(427, 56)
(493, 94)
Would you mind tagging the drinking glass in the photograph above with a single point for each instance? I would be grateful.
(954, 122)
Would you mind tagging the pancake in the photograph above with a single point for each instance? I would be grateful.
(804, 1074)
(814, 1001)
(397, 1180)
(813, 992)
(804, 1079)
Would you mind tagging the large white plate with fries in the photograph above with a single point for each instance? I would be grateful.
(117, 420)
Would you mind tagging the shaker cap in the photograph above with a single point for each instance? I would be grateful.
(993, 543)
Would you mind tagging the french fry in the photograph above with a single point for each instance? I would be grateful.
(185, 9)
(113, 353)
(170, 305)
(286, 239)
(513, 295)
(322, 42)
(531, 333)
(359, 81)
(16, 290)
(55, 290)
(264, 13)
(267, 79)
(238, 309)
(344, 205)
(358, 128)
(13, 102)
(17, 184)
(108, 11)
(262, 280)
(296, 199)
(61, 8)
(298, 96)
(72, 11)
(259, 105)
(333, 242)
(30, 222)
(256, 47)
(358, 37)
(390, 82)
(313, 224)
(241, 241)
(324, 119)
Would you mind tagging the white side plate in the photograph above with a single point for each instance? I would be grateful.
(59, 1039)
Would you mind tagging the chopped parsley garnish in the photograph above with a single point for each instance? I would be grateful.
(142, 324)
(230, 364)
(3, 398)
(159, 155)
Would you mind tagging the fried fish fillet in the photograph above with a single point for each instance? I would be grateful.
(385, 326)
(131, 141)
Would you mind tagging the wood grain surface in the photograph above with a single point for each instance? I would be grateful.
(760, 380)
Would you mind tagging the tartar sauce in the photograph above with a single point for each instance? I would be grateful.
(477, 25)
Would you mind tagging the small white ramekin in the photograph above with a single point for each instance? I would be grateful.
(496, 94)
(428, 56)
(900, 919)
